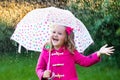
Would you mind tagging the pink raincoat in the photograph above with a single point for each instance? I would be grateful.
(62, 63)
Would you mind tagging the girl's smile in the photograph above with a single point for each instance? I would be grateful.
(58, 36)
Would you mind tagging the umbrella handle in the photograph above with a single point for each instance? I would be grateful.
(48, 64)
(19, 48)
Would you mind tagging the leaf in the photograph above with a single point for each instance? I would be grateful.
(2, 26)
(2, 36)
(118, 32)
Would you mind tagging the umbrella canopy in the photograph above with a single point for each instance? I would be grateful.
(33, 31)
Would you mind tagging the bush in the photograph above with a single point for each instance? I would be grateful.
(5, 42)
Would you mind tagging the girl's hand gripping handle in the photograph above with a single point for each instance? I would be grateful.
(47, 74)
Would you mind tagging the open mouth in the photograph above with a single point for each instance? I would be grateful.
(54, 39)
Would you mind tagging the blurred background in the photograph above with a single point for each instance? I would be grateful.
(101, 17)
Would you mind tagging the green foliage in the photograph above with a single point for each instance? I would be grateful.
(118, 32)
(103, 22)
(5, 42)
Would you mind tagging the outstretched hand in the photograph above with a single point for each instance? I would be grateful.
(106, 50)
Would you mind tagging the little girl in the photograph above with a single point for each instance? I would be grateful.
(64, 56)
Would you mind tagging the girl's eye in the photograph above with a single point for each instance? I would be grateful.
(53, 32)
(60, 33)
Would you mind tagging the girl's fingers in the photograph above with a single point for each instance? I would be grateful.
(111, 47)
(105, 46)
(107, 54)
(112, 50)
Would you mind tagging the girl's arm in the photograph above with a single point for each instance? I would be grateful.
(86, 61)
(92, 58)
(41, 71)
(41, 66)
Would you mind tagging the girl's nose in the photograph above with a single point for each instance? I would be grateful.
(55, 34)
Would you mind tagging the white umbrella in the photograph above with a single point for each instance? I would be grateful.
(33, 31)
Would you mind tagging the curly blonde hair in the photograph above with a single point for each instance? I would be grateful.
(69, 42)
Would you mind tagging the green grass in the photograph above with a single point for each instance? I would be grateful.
(22, 67)
(19, 67)
(98, 72)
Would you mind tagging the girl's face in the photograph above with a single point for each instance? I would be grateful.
(58, 36)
